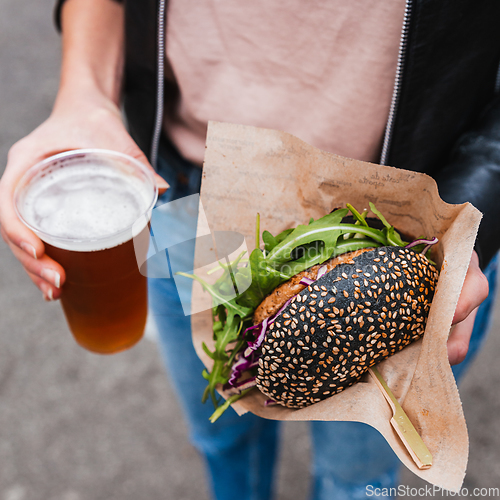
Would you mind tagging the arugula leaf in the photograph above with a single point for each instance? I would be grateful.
(352, 244)
(313, 256)
(320, 229)
(264, 280)
(340, 229)
(257, 232)
(219, 374)
(284, 234)
(373, 208)
(269, 241)
(359, 217)
(219, 296)
(393, 237)
(229, 401)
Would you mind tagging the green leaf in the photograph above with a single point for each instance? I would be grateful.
(269, 241)
(319, 230)
(359, 217)
(219, 374)
(229, 401)
(228, 334)
(257, 231)
(215, 378)
(264, 280)
(352, 244)
(207, 351)
(312, 257)
(393, 237)
(284, 234)
(230, 265)
(218, 295)
(373, 208)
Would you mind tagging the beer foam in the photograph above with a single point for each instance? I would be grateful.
(90, 207)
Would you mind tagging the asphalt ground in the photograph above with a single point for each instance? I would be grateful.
(77, 426)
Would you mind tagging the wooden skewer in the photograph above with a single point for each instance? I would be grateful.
(402, 425)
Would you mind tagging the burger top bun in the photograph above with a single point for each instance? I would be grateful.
(278, 297)
(362, 311)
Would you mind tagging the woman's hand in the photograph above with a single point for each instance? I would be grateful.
(474, 292)
(92, 122)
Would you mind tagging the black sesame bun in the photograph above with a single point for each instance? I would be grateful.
(361, 312)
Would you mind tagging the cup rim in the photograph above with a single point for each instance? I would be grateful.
(68, 242)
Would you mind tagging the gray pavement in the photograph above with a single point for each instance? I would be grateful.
(76, 426)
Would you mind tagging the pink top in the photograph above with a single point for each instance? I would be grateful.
(321, 70)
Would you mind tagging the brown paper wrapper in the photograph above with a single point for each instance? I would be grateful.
(250, 170)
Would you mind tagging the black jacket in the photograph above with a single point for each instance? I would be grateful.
(446, 119)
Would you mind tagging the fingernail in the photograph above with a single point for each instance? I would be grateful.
(51, 276)
(162, 183)
(48, 294)
(29, 249)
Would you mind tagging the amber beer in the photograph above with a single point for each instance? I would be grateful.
(91, 208)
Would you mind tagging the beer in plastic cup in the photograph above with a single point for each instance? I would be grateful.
(89, 207)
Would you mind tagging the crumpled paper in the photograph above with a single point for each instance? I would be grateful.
(249, 170)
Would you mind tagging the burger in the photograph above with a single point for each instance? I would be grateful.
(372, 304)
(323, 303)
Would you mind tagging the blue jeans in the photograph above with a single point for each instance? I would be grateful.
(240, 452)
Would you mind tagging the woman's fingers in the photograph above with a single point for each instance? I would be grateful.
(44, 271)
(49, 292)
(474, 291)
(458, 341)
(13, 230)
(15, 233)
(161, 183)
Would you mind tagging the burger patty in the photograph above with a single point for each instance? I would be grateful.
(358, 314)
(278, 297)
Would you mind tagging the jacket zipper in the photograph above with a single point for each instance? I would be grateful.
(159, 83)
(403, 43)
